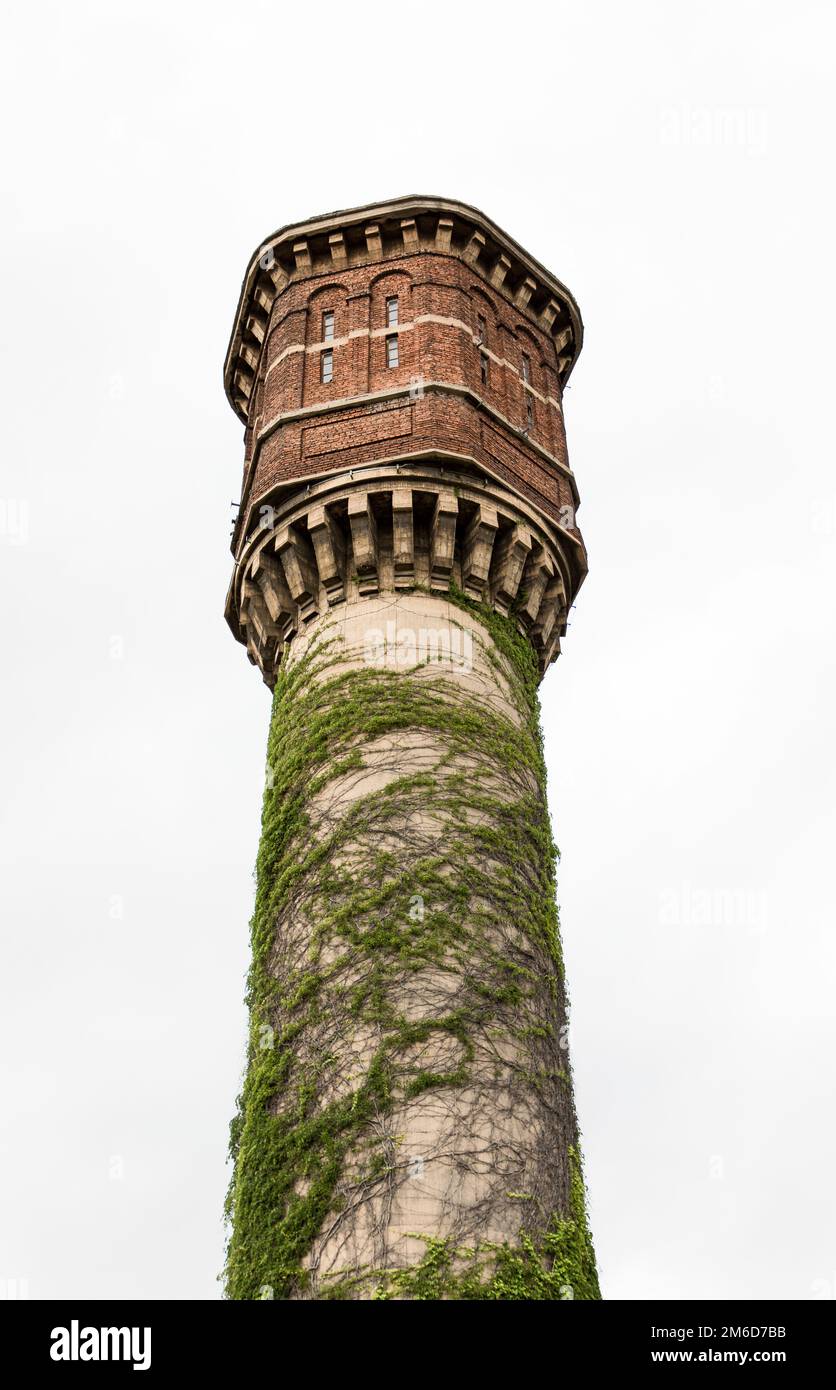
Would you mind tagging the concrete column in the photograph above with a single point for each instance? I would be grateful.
(414, 975)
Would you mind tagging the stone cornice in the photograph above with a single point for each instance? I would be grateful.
(392, 528)
(386, 232)
(413, 467)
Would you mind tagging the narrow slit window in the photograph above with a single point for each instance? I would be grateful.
(392, 311)
(481, 329)
(483, 357)
(526, 368)
(392, 350)
(328, 326)
(326, 366)
(529, 413)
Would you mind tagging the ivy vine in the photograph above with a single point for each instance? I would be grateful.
(407, 979)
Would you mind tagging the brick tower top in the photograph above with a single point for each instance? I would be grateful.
(413, 350)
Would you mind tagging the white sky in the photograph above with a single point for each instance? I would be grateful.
(673, 165)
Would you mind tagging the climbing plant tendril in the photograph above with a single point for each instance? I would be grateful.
(407, 1003)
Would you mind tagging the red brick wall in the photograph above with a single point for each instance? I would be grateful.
(430, 286)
